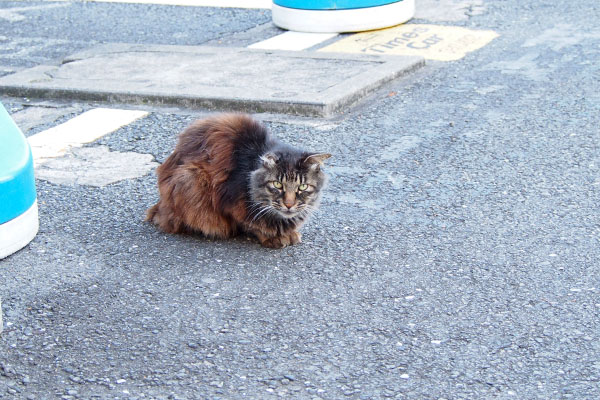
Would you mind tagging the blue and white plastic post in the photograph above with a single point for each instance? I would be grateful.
(19, 222)
(336, 16)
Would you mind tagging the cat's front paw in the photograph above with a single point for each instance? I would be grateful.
(274, 243)
(279, 242)
(295, 237)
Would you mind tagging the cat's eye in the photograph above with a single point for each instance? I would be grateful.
(303, 187)
(277, 185)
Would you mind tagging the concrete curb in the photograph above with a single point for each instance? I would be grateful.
(218, 78)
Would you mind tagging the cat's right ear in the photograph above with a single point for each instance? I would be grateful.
(316, 160)
(269, 160)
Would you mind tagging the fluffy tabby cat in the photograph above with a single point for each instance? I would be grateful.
(227, 175)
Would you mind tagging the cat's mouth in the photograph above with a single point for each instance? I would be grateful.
(288, 212)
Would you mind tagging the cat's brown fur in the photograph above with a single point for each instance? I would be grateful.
(206, 184)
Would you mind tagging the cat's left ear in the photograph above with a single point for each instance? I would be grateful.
(314, 161)
(269, 160)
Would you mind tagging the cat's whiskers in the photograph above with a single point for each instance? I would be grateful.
(309, 208)
(306, 210)
(261, 210)
(273, 212)
(253, 207)
(304, 214)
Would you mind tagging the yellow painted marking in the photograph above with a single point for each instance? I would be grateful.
(433, 42)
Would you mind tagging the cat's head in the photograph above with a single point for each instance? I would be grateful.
(287, 184)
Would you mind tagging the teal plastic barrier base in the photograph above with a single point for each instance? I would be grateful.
(331, 17)
(18, 201)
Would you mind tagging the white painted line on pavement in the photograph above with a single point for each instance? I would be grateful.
(292, 41)
(201, 3)
(85, 128)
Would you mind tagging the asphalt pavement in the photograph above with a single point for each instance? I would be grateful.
(455, 254)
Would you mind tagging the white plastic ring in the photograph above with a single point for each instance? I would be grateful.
(18, 232)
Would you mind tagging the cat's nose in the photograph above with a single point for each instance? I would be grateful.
(289, 200)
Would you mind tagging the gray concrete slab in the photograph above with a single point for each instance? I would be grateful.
(212, 77)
